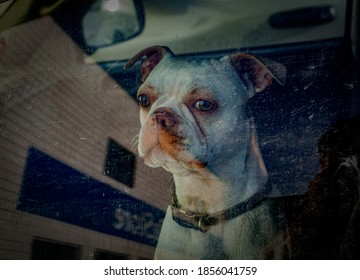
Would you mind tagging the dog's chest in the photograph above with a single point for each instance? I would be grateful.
(178, 242)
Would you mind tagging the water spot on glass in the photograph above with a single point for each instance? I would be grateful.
(349, 86)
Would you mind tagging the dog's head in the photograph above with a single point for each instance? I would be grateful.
(193, 111)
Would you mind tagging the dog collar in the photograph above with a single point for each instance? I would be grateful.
(203, 221)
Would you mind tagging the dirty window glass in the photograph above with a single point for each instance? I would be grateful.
(233, 122)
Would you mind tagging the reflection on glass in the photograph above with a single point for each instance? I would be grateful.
(110, 21)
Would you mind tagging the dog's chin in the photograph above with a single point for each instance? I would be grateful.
(180, 165)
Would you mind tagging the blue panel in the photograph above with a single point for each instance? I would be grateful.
(54, 190)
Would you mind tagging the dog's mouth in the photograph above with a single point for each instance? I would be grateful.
(180, 162)
(157, 157)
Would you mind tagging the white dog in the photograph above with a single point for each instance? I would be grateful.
(195, 125)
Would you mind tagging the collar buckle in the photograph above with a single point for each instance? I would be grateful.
(189, 219)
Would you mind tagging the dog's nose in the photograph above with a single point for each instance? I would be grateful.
(165, 117)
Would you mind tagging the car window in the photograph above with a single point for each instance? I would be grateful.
(83, 91)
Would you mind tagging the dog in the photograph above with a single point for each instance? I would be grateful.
(195, 124)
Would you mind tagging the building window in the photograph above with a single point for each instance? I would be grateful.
(119, 163)
(107, 255)
(43, 249)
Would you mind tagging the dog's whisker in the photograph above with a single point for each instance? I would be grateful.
(135, 141)
(135, 145)
(137, 129)
(136, 137)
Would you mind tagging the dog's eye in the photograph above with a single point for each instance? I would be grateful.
(204, 105)
(144, 100)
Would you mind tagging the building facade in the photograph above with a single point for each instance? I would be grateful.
(71, 184)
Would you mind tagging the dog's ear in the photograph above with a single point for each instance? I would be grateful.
(151, 57)
(260, 72)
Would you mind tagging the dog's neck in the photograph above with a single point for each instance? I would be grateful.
(205, 192)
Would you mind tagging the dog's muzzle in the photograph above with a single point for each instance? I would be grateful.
(177, 140)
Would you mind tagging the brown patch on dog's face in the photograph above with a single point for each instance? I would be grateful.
(174, 146)
(170, 143)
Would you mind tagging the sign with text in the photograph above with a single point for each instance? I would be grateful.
(53, 189)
